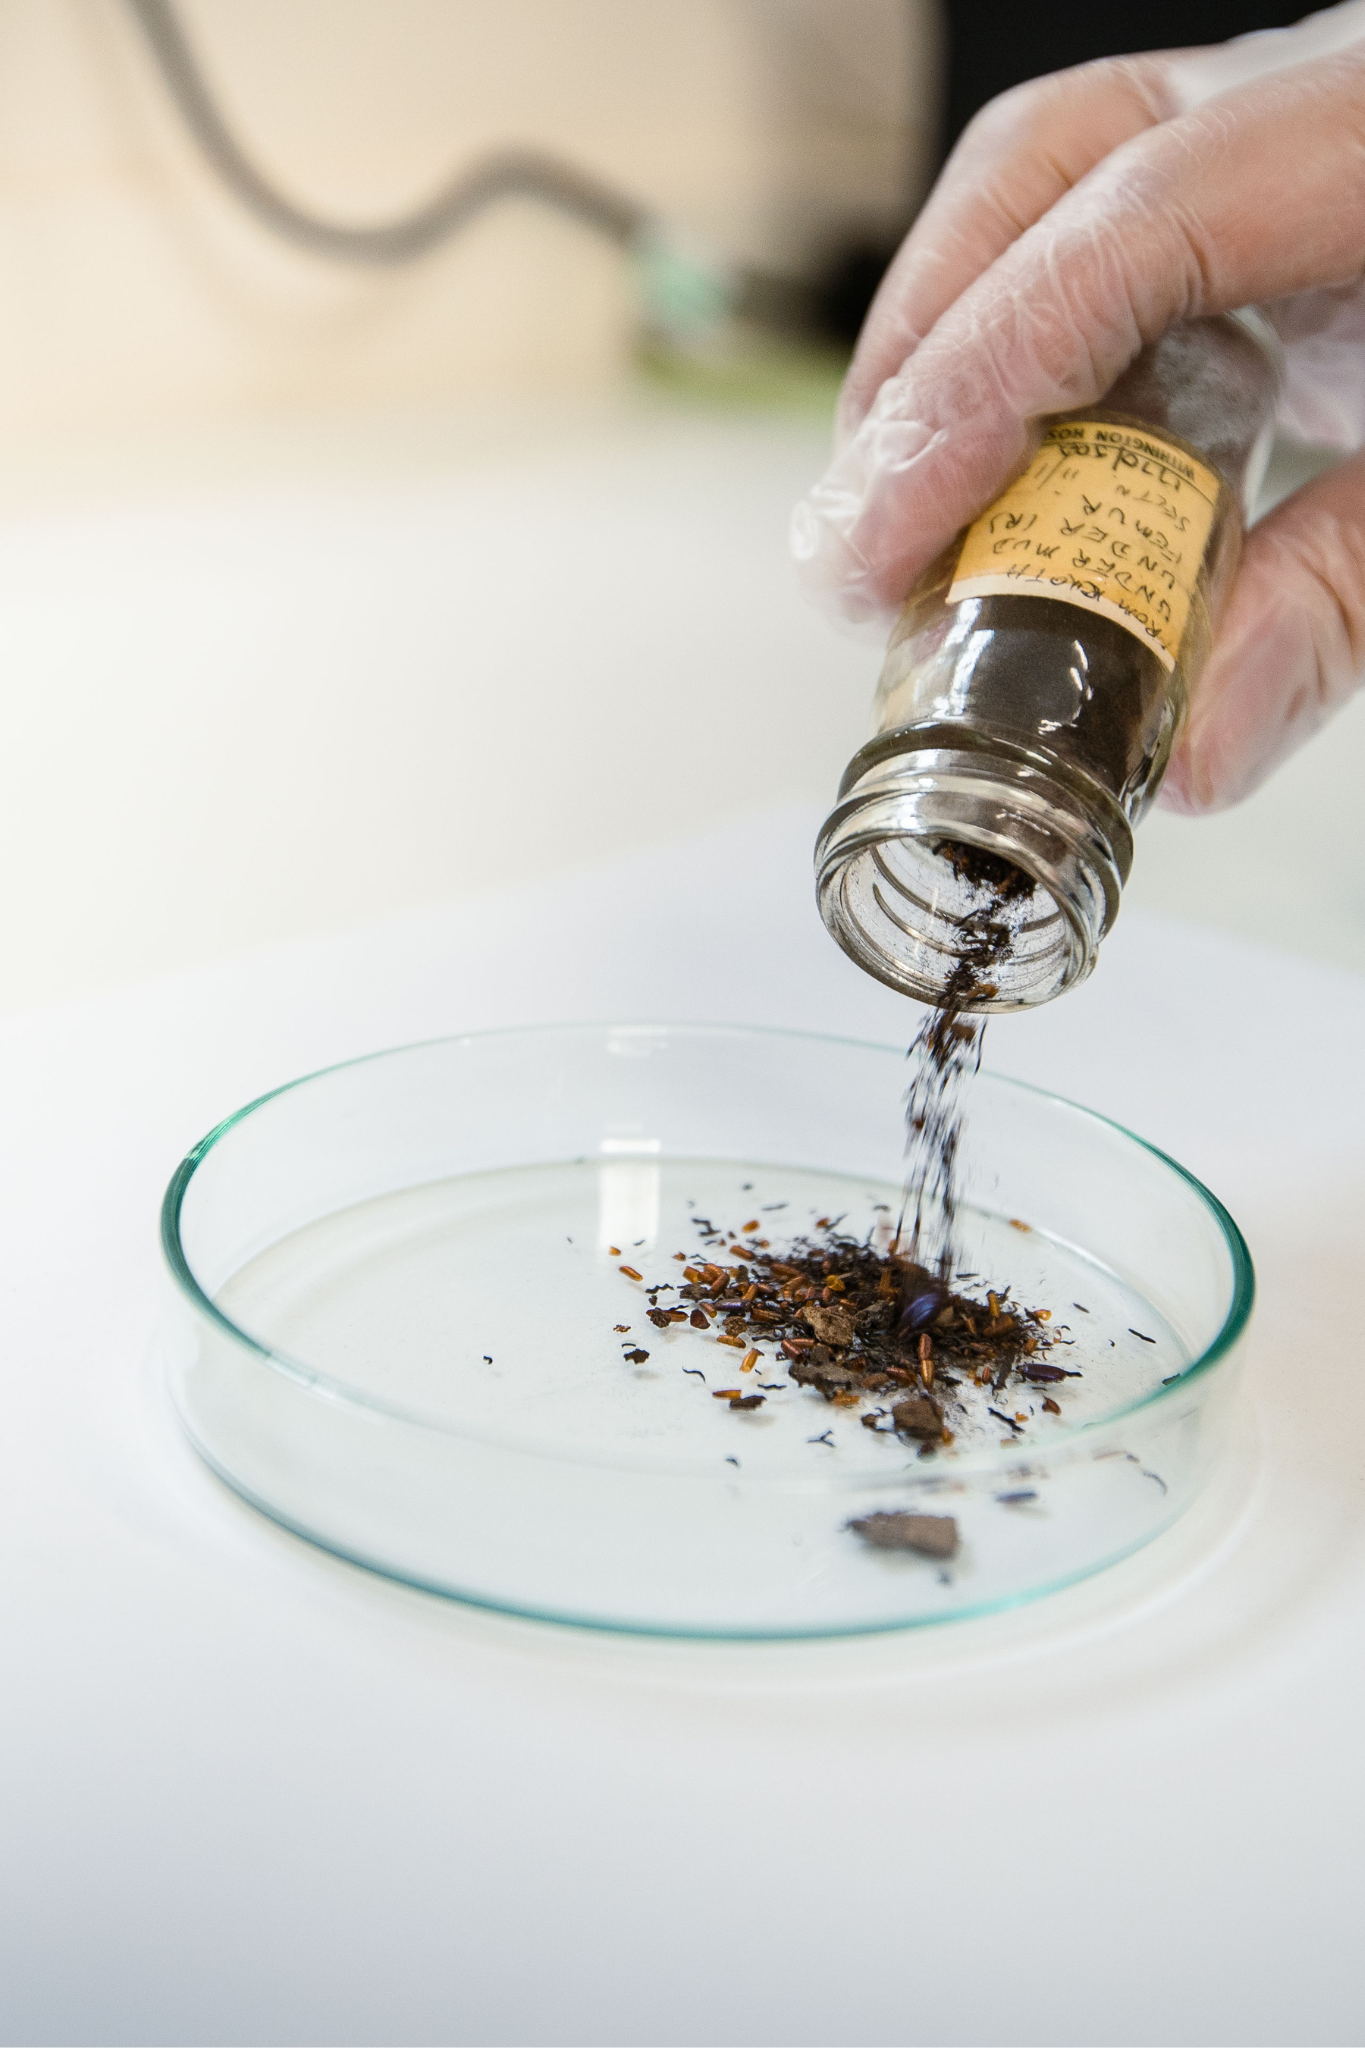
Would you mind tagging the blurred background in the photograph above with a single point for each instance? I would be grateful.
(342, 572)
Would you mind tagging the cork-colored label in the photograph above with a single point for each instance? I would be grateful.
(1110, 518)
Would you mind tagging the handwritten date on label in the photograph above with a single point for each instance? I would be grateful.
(1107, 517)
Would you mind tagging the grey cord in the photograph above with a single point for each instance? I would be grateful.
(519, 173)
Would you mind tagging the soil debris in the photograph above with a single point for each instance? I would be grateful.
(918, 1417)
(858, 1324)
(930, 1535)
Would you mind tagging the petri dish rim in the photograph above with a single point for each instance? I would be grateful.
(318, 1381)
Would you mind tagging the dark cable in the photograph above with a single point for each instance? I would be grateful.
(510, 173)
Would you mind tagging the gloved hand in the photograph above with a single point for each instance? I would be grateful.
(1076, 219)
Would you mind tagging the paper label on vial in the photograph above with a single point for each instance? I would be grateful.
(1110, 518)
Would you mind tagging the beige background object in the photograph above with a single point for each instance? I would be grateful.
(136, 290)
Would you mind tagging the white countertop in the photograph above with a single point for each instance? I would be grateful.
(252, 1794)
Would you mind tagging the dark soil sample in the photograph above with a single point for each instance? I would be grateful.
(930, 1535)
(858, 1325)
(1021, 682)
(945, 1051)
(918, 1417)
(983, 870)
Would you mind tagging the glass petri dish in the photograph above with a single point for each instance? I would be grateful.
(400, 1323)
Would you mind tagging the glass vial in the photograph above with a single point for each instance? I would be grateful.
(1040, 673)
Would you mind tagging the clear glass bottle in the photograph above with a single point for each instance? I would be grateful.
(1039, 675)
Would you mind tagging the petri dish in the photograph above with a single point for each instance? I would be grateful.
(399, 1324)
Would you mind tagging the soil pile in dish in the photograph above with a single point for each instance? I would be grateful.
(863, 1327)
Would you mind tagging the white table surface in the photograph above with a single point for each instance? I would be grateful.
(250, 1793)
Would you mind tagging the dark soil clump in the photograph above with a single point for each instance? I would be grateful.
(930, 1535)
(983, 870)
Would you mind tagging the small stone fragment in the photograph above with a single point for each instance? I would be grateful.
(821, 1372)
(918, 1416)
(929, 1535)
(831, 1325)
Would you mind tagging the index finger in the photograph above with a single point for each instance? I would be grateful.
(1018, 157)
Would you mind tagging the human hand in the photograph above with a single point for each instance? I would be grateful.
(1077, 218)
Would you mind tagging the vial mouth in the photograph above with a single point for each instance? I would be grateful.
(904, 909)
(929, 843)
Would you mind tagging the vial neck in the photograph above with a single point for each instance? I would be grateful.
(897, 892)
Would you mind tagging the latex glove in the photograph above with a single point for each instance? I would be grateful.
(1076, 219)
